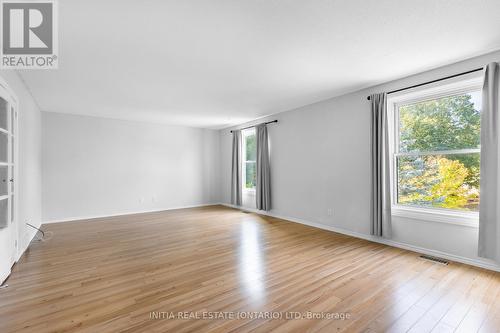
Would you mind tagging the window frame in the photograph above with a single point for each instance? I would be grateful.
(451, 87)
(245, 133)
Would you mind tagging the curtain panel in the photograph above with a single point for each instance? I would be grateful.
(489, 208)
(380, 168)
(263, 187)
(236, 186)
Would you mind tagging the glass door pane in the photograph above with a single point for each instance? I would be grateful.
(4, 212)
(4, 108)
(4, 145)
(4, 181)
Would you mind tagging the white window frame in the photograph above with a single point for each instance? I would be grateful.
(455, 86)
(245, 133)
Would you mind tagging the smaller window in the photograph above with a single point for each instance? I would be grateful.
(249, 158)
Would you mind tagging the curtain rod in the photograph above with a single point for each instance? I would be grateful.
(269, 122)
(429, 82)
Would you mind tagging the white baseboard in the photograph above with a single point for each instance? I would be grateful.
(3, 276)
(469, 261)
(90, 217)
(29, 236)
(26, 240)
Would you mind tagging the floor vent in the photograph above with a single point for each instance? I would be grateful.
(245, 212)
(434, 259)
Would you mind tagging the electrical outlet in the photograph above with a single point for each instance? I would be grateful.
(329, 212)
(141, 200)
(153, 199)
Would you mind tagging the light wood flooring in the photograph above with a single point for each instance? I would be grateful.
(151, 272)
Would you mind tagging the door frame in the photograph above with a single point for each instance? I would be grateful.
(14, 225)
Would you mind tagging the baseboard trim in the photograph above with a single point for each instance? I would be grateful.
(30, 236)
(464, 260)
(4, 276)
(91, 217)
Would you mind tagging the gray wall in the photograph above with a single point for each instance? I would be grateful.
(96, 166)
(320, 159)
(29, 180)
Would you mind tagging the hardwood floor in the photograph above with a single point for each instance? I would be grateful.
(118, 274)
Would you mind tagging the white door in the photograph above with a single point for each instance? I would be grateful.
(8, 157)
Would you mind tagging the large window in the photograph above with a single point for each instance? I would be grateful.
(249, 158)
(436, 150)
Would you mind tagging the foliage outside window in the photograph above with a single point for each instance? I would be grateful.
(437, 152)
(249, 158)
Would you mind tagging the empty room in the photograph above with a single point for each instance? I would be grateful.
(249, 166)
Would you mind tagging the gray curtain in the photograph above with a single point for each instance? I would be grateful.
(236, 190)
(380, 167)
(489, 208)
(263, 188)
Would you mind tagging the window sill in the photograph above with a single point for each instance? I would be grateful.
(249, 191)
(467, 219)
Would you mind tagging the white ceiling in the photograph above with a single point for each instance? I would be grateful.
(216, 63)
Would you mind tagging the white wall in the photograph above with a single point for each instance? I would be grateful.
(320, 159)
(29, 180)
(97, 167)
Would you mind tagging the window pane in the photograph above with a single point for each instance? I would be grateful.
(446, 123)
(3, 113)
(4, 145)
(442, 181)
(251, 176)
(4, 212)
(251, 148)
(4, 180)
